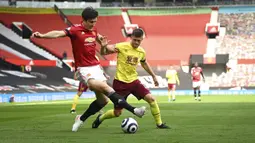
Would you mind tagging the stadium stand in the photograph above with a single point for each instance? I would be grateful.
(5, 54)
(238, 23)
(40, 79)
(239, 47)
(239, 44)
(42, 20)
(180, 35)
(242, 75)
(11, 39)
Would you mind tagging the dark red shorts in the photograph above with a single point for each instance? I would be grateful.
(124, 89)
(171, 86)
(82, 87)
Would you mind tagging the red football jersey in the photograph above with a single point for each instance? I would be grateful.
(196, 73)
(83, 45)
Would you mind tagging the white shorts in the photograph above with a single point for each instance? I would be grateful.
(83, 74)
(196, 84)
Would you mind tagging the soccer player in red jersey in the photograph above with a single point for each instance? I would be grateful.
(196, 73)
(83, 38)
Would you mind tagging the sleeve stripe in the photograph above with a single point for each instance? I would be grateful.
(67, 33)
(143, 60)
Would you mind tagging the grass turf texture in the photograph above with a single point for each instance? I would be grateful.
(214, 119)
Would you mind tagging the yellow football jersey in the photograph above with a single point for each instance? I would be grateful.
(172, 76)
(127, 60)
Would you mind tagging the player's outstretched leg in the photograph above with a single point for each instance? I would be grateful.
(115, 98)
(101, 87)
(107, 115)
(155, 111)
(94, 107)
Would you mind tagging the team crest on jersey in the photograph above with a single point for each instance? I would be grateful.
(90, 39)
(82, 33)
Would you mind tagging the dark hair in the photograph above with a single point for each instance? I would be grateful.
(89, 13)
(137, 32)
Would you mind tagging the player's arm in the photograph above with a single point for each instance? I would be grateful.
(167, 75)
(177, 79)
(191, 72)
(106, 48)
(202, 75)
(149, 70)
(99, 38)
(50, 35)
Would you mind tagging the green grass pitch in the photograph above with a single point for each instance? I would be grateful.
(216, 119)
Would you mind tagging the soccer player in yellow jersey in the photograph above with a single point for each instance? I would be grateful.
(172, 76)
(126, 79)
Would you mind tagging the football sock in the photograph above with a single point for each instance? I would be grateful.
(169, 95)
(173, 94)
(94, 107)
(75, 101)
(155, 112)
(120, 101)
(199, 92)
(107, 115)
(195, 93)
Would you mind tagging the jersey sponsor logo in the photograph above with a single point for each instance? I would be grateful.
(90, 40)
(132, 60)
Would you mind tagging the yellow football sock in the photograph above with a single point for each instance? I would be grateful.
(107, 115)
(75, 101)
(169, 95)
(156, 112)
(173, 94)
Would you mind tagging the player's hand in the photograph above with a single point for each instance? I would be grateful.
(37, 35)
(104, 41)
(155, 81)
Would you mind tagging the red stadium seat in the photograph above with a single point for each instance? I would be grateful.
(43, 23)
(7, 55)
(173, 37)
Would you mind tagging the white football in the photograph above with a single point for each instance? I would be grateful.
(129, 125)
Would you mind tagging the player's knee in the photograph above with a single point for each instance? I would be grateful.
(102, 101)
(149, 98)
(99, 86)
(117, 113)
